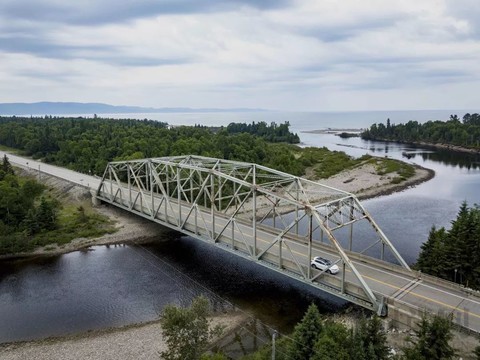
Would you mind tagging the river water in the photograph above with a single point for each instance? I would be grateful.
(118, 285)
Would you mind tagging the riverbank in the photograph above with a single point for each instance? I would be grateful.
(135, 342)
(449, 147)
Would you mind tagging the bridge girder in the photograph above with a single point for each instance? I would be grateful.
(265, 215)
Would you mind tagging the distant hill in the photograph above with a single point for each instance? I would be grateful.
(57, 108)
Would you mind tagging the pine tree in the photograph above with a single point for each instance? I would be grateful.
(433, 336)
(306, 334)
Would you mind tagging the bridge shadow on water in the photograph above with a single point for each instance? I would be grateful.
(265, 294)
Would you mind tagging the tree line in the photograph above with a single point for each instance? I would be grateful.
(87, 145)
(464, 133)
(188, 332)
(455, 254)
(271, 133)
(24, 210)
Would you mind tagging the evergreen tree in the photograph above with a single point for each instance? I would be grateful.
(47, 214)
(432, 343)
(305, 335)
(6, 168)
(455, 254)
(332, 342)
(371, 336)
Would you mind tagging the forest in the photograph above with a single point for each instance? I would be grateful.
(455, 254)
(31, 216)
(463, 133)
(315, 337)
(87, 145)
(271, 133)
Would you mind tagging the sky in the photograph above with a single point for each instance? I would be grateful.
(299, 55)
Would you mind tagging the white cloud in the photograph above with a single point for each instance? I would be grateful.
(314, 55)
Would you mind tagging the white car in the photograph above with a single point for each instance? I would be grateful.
(324, 264)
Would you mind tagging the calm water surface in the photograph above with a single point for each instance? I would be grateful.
(117, 285)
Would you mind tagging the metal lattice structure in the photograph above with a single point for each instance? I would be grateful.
(275, 219)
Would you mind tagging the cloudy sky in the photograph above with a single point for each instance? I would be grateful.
(274, 54)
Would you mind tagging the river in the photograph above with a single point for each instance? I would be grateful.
(118, 285)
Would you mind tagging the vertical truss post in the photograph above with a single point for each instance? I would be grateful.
(219, 189)
(179, 197)
(310, 240)
(383, 251)
(191, 185)
(280, 260)
(274, 216)
(111, 182)
(296, 208)
(234, 192)
(343, 277)
(150, 172)
(167, 180)
(196, 219)
(233, 233)
(254, 212)
(212, 202)
(350, 242)
(129, 186)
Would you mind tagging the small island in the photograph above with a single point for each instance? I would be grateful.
(453, 134)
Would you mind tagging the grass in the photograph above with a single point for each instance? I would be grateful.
(74, 222)
(326, 163)
(389, 166)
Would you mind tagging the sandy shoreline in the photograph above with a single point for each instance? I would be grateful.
(137, 341)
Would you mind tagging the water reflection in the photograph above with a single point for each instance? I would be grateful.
(119, 285)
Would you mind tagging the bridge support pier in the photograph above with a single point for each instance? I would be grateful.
(95, 200)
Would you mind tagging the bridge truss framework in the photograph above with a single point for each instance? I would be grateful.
(275, 219)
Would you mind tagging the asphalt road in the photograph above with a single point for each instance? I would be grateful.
(91, 182)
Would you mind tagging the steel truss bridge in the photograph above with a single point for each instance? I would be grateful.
(281, 221)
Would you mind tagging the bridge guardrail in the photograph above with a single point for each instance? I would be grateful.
(409, 315)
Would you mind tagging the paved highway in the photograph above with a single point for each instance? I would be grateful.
(91, 182)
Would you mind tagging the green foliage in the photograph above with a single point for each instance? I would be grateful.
(306, 334)
(453, 132)
(281, 351)
(271, 133)
(331, 343)
(187, 330)
(87, 145)
(388, 166)
(432, 340)
(373, 338)
(5, 168)
(454, 254)
(314, 339)
(327, 163)
(28, 218)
